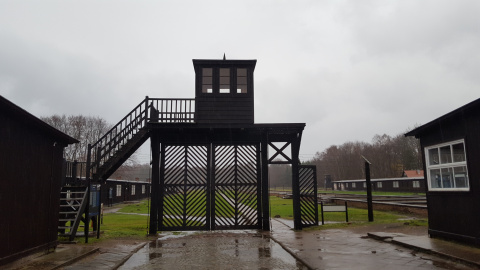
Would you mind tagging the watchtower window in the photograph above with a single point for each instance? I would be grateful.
(207, 75)
(241, 80)
(224, 80)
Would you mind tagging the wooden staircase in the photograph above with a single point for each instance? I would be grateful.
(73, 201)
(118, 144)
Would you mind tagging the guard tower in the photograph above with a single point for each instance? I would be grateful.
(209, 159)
(224, 91)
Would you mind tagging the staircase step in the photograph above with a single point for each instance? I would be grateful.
(69, 213)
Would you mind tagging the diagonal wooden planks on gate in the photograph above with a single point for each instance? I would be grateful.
(185, 188)
(192, 200)
(236, 188)
(308, 195)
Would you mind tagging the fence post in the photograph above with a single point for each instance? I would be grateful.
(321, 206)
(346, 212)
(369, 189)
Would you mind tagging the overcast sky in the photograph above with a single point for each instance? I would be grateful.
(348, 69)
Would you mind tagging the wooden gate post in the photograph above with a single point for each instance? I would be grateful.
(297, 215)
(264, 180)
(155, 144)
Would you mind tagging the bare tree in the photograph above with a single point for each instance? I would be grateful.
(86, 129)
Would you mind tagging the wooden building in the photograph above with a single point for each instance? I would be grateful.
(398, 184)
(31, 172)
(451, 154)
(118, 191)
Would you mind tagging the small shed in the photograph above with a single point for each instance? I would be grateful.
(451, 154)
(31, 172)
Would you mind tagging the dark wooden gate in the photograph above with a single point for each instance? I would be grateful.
(202, 193)
(184, 183)
(307, 175)
(236, 188)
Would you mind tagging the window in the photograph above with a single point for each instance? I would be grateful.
(416, 184)
(354, 185)
(241, 81)
(364, 184)
(133, 189)
(447, 167)
(119, 190)
(395, 184)
(207, 75)
(143, 189)
(224, 80)
(346, 185)
(379, 184)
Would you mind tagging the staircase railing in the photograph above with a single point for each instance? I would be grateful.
(118, 136)
(173, 110)
(149, 110)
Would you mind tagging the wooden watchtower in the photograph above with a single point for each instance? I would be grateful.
(209, 159)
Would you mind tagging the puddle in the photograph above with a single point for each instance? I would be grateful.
(213, 250)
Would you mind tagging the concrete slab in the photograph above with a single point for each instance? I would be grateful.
(344, 249)
(453, 250)
(62, 256)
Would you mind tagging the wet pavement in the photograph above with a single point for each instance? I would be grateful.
(213, 250)
(282, 248)
(342, 249)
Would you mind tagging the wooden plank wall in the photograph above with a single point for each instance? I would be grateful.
(225, 110)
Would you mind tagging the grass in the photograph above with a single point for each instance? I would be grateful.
(125, 225)
(356, 216)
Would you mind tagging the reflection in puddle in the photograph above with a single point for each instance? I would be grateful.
(217, 250)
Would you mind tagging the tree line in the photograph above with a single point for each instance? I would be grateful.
(389, 156)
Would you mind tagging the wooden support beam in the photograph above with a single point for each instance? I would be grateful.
(297, 215)
(264, 179)
(155, 145)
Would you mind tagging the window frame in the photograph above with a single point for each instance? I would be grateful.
(379, 185)
(449, 165)
(119, 191)
(395, 184)
(216, 81)
(416, 184)
(132, 190)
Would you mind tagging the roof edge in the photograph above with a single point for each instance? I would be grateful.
(426, 126)
(9, 107)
